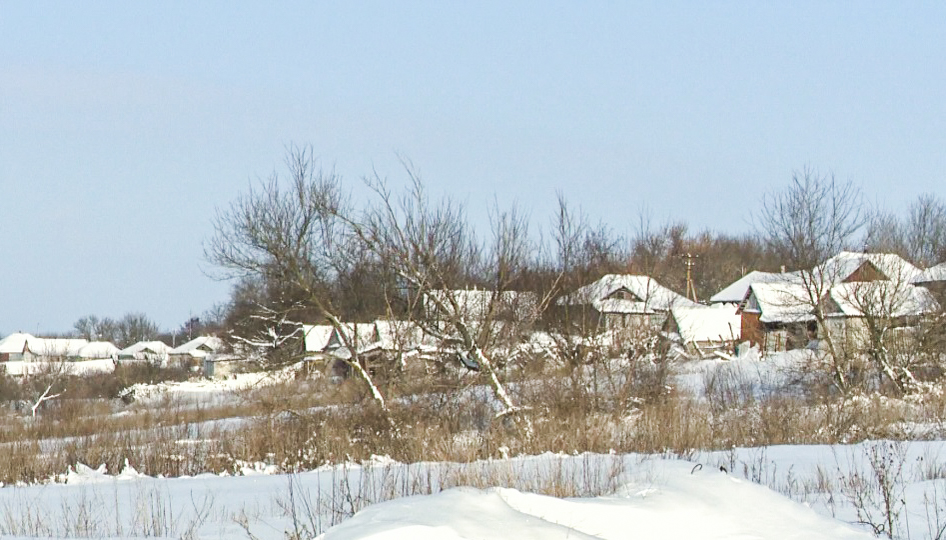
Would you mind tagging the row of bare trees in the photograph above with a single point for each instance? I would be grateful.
(136, 326)
(303, 251)
(129, 329)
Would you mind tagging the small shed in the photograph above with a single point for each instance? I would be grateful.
(706, 329)
(219, 366)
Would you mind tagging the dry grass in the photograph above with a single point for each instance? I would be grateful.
(299, 425)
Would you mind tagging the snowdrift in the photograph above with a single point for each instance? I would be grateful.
(671, 501)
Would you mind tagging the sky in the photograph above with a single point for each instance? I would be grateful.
(126, 126)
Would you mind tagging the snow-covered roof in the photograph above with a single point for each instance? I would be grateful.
(625, 293)
(317, 336)
(145, 347)
(394, 334)
(199, 346)
(778, 302)
(790, 302)
(844, 264)
(884, 298)
(837, 269)
(475, 303)
(57, 346)
(20, 342)
(385, 335)
(736, 292)
(14, 343)
(707, 323)
(98, 349)
(932, 274)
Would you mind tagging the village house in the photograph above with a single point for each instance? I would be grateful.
(153, 352)
(776, 316)
(381, 344)
(191, 355)
(327, 349)
(777, 310)
(899, 306)
(845, 267)
(26, 347)
(618, 301)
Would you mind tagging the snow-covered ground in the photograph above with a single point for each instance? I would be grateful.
(645, 497)
(205, 392)
(794, 491)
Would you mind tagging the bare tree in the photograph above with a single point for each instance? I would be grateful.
(293, 234)
(880, 320)
(135, 327)
(264, 321)
(926, 230)
(46, 381)
(886, 234)
(656, 250)
(813, 219)
(130, 329)
(93, 328)
(87, 327)
(920, 236)
(581, 253)
(271, 336)
(432, 251)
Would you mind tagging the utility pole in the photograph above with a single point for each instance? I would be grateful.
(688, 260)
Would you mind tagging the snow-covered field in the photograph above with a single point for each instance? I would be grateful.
(792, 491)
(815, 496)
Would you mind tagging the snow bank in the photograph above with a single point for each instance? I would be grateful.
(672, 500)
(650, 497)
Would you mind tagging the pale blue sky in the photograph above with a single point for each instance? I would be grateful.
(124, 125)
